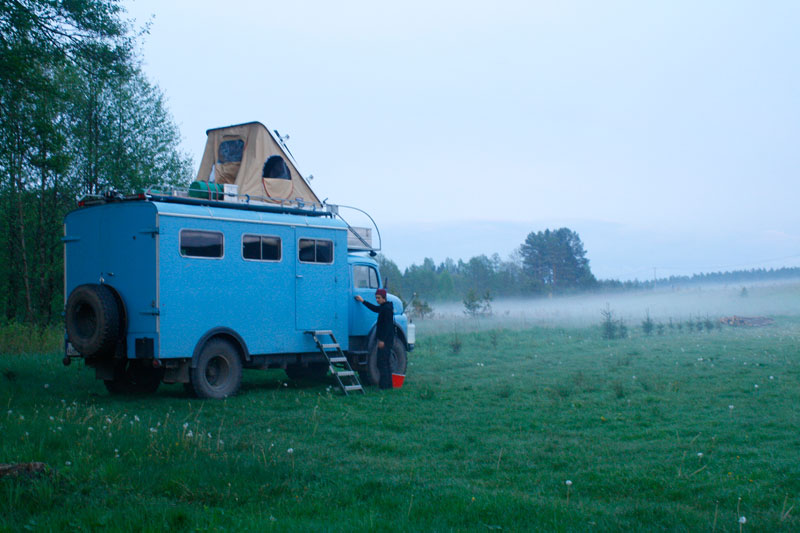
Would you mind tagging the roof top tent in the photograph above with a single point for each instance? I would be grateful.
(244, 155)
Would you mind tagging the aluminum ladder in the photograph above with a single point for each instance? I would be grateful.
(337, 361)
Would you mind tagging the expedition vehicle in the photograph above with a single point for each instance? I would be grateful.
(191, 286)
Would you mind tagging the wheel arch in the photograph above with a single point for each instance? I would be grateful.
(373, 335)
(227, 334)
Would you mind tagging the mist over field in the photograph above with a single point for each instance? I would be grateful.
(664, 303)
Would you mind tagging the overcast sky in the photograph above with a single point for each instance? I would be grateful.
(665, 133)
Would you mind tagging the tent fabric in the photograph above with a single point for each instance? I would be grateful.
(237, 155)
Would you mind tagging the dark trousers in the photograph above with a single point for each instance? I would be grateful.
(385, 367)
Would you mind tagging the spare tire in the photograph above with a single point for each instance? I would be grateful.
(93, 319)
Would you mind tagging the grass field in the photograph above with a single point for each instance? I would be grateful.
(530, 429)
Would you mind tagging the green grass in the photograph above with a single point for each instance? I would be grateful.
(479, 440)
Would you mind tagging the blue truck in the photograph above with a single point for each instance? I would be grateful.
(175, 288)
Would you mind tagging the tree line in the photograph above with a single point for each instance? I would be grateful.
(547, 262)
(535, 270)
(77, 116)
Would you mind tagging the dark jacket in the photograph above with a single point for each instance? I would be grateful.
(385, 328)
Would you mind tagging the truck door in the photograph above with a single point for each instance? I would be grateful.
(317, 287)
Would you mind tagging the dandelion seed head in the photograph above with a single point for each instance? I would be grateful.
(290, 451)
(568, 483)
(700, 454)
(742, 520)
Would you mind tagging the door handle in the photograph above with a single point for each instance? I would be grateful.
(299, 276)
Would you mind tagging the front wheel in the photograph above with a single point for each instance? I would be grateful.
(397, 361)
(218, 373)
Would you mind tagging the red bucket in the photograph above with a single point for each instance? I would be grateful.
(397, 380)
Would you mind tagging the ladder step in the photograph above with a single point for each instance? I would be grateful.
(352, 387)
(338, 359)
(329, 346)
(322, 332)
(345, 373)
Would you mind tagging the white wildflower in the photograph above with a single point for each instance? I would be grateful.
(190, 434)
(185, 425)
(68, 463)
(700, 455)
(46, 385)
(136, 418)
(290, 451)
(742, 520)
(568, 483)
(153, 430)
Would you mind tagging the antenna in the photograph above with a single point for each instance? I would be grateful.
(282, 139)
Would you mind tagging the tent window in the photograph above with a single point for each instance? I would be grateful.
(261, 247)
(315, 251)
(231, 151)
(194, 243)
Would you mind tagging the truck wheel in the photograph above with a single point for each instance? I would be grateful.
(134, 377)
(398, 362)
(93, 319)
(218, 373)
(314, 371)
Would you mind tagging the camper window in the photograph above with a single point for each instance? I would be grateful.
(315, 251)
(231, 151)
(261, 247)
(196, 243)
(364, 277)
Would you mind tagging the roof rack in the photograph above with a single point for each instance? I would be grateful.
(359, 238)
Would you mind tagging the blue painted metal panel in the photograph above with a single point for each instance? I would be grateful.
(257, 299)
(115, 244)
(135, 248)
(322, 289)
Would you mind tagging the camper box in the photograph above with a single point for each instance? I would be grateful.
(150, 285)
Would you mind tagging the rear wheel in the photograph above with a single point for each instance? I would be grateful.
(397, 361)
(134, 377)
(218, 373)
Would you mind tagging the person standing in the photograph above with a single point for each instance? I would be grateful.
(384, 333)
